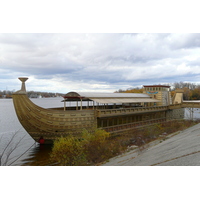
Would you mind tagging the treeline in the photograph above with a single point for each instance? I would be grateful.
(191, 90)
(31, 94)
(130, 90)
(6, 93)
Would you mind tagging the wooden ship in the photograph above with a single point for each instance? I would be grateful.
(109, 111)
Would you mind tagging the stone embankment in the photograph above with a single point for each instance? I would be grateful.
(178, 149)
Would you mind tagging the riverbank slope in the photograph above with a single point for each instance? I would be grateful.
(178, 149)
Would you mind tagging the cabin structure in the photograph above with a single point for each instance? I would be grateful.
(107, 100)
(112, 109)
(159, 92)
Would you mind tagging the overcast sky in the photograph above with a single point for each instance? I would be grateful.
(97, 62)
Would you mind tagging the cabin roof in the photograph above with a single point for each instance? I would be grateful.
(105, 95)
(123, 100)
(109, 97)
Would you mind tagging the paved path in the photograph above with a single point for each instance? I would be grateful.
(182, 149)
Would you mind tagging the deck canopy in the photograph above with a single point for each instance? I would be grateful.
(107, 98)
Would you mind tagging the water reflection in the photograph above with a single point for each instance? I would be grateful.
(39, 155)
(20, 149)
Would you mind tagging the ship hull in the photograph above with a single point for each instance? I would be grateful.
(51, 123)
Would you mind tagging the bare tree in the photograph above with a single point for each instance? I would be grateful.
(10, 145)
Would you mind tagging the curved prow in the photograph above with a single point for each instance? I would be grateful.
(50, 123)
(178, 96)
(23, 87)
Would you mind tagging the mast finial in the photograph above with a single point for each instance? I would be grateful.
(23, 80)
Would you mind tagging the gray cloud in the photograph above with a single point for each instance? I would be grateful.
(103, 62)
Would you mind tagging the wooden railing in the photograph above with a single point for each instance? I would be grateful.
(176, 106)
(117, 128)
(191, 104)
(185, 104)
(126, 111)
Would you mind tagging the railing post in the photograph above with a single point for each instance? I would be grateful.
(64, 105)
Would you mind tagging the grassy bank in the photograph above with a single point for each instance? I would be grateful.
(99, 147)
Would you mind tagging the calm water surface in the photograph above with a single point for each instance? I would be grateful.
(22, 144)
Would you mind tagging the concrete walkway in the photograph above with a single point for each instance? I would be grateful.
(178, 149)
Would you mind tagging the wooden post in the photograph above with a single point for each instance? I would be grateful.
(81, 104)
(64, 105)
(192, 113)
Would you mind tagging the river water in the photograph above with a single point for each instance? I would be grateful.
(16, 145)
(21, 148)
